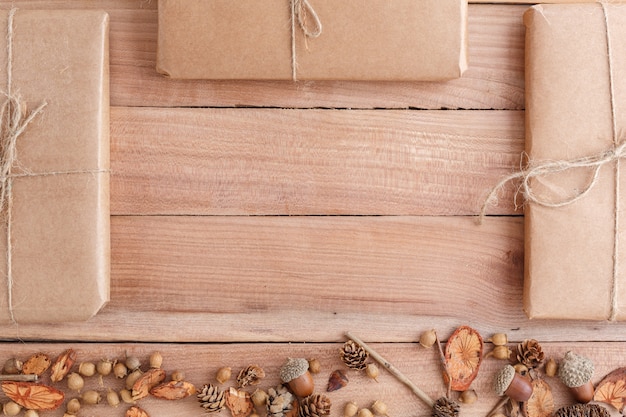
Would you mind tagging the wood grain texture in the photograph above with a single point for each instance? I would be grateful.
(311, 162)
(200, 363)
(494, 79)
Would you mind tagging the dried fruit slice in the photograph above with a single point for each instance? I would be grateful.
(239, 402)
(173, 390)
(135, 411)
(463, 355)
(612, 389)
(33, 396)
(541, 402)
(62, 365)
(147, 381)
(36, 364)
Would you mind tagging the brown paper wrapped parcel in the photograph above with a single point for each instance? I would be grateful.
(55, 225)
(394, 40)
(575, 219)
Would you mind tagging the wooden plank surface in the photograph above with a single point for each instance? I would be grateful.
(255, 221)
(311, 162)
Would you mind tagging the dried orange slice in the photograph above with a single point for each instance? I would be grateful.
(612, 389)
(33, 396)
(541, 401)
(463, 355)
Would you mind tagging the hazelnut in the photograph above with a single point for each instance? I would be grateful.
(428, 338)
(315, 366)
(499, 339)
(468, 397)
(576, 372)
(223, 374)
(510, 383)
(295, 373)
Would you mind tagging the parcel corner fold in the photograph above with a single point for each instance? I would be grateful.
(57, 225)
(575, 255)
(361, 40)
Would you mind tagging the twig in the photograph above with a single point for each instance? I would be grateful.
(19, 378)
(500, 404)
(444, 365)
(394, 371)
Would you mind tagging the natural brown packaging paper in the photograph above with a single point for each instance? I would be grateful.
(59, 217)
(359, 40)
(575, 255)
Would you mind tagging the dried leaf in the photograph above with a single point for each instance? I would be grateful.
(36, 364)
(147, 381)
(541, 401)
(173, 390)
(463, 355)
(62, 365)
(135, 411)
(239, 402)
(612, 389)
(33, 396)
(337, 380)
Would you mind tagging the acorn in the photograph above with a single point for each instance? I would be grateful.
(510, 383)
(295, 373)
(576, 371)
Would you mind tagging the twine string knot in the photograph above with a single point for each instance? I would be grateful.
(300, 11)
(535, 169)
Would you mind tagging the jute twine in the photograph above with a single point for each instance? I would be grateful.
(536, 169)
(14, 120)
(300, 10)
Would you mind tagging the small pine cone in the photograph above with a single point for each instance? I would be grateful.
(250, 375)
(211, 398)
(529, 353)
(353, 355)
(316, 405)
(279, 401)
(582, 410)
(445, 408)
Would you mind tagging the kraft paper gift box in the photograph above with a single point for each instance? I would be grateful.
(55, 220)
(575, 219)
(398, 40)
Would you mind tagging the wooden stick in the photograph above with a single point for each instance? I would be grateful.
(444, 365)
(500, 404)
(19, 378)
(394, 371)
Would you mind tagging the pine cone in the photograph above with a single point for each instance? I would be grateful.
(529, 353)
(280, 402)
(353, 355)
(211, 398)
(445, 408)
(316, 405)
(582, 410)
(250, 375)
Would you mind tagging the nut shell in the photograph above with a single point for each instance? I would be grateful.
(575, 370)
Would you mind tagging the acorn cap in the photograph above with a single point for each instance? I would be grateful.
(293, 368)
(575, 371)
(503, 379)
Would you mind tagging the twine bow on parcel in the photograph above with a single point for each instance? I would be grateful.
(14, 120)
(537, 169)
(300, 11)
